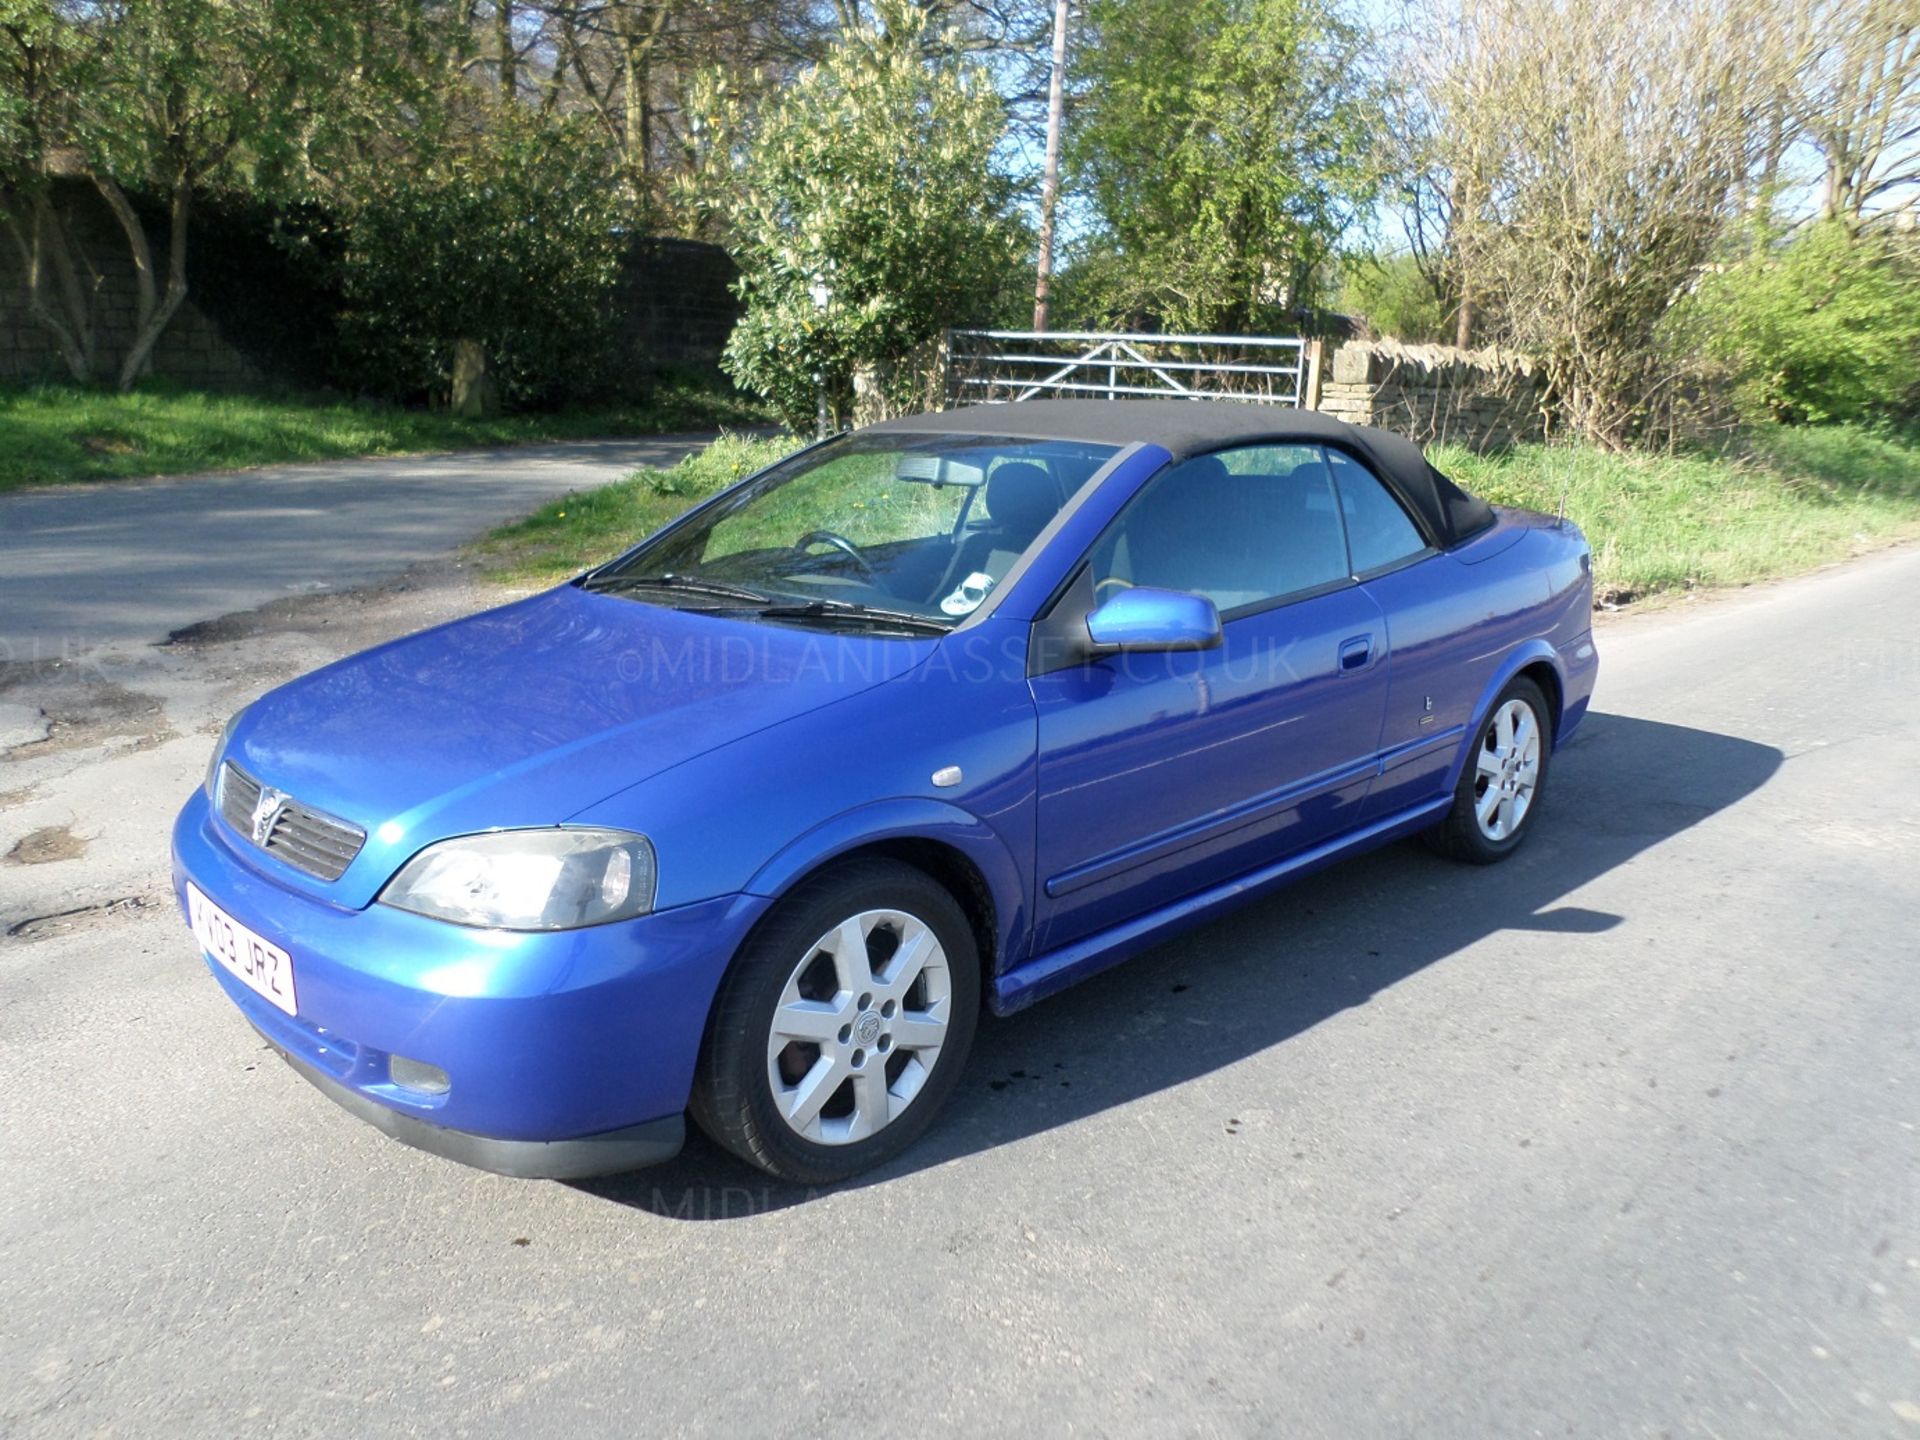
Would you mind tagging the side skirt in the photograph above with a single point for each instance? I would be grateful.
(1054, 971)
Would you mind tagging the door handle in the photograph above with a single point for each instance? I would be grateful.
(1357, 653)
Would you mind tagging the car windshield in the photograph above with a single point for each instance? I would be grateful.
(877, 530)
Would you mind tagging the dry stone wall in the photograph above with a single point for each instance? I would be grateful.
(1483, 399)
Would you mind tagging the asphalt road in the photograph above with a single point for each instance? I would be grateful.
(83, 566)
(1616, 1139)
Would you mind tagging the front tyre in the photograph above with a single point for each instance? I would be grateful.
(843, 1024)
(1502, 781)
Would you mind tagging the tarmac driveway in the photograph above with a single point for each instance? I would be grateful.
(83, 566)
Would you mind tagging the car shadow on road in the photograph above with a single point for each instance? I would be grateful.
(1256, 978)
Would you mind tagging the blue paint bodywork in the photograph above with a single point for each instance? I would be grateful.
(1104, 804)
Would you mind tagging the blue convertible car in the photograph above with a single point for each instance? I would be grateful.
(751, 821)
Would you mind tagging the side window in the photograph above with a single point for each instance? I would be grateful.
(1241, 527)
(1378, 530)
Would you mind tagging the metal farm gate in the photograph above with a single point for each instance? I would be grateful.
(997, 366)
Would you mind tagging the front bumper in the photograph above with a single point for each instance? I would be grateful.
(568, 1053)
(609, 1153)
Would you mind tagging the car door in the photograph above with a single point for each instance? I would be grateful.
(1438, 664)
(1162, 774)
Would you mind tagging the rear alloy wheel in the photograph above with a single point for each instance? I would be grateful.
(843, 1024)
(1500, 785)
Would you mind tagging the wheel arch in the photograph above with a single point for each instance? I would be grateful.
(955, 848)
(1537, 661)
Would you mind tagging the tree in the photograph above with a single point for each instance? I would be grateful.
(1593, 153)
(1226, 145)
(865, 210)
(626, 63)
(1856, 97)
(1050, 170)
(42, 71)
(187, 93)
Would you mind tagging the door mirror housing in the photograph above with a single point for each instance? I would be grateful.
(1143, 619)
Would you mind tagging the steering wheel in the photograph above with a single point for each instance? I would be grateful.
(1114, 580)
(838, 542)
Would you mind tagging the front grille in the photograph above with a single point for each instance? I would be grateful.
(306, 839)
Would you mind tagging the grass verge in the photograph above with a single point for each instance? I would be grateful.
(1782, 501)
(569, 535)
(54, 434)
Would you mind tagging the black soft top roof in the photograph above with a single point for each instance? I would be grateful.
(1194, 427)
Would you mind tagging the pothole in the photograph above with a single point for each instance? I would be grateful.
(47, 845)
(83, 711)
(84, 917)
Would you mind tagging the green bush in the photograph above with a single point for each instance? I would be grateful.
(1393, 297)
(726, 460)
(514, 243)
(1823, 328)
(870, 179)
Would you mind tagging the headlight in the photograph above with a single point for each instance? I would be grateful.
(220, 750)
(529, 879)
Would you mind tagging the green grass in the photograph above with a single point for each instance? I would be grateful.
(569, 535)
(1781, 501)
(54, 434)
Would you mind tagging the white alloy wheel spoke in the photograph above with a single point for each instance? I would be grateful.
(848, 946)
(801, 1104)
(1484, 807)
(872, 1106)
(917, 946)
(813, 1022)
(1523, 734)
(919, 1030)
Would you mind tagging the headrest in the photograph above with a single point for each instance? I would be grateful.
(1205, 470)
(1022, 498)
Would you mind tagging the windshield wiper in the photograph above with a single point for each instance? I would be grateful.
(690, 584)
(852, 610)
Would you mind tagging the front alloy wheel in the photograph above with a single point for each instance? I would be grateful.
(842, 1025)
(860, 1027)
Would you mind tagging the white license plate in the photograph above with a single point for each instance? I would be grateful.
(265, 969)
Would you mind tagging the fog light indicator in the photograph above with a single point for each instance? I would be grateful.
(417, 1075)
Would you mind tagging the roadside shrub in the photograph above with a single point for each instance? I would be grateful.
(513, 243)
(1823, 328)
(1393, 297)
(865, 210)
(730, 458)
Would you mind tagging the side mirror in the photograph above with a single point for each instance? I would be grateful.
(1144, 619)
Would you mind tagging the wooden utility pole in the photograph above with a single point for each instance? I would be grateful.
(1050, 184)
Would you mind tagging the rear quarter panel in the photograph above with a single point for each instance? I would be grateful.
(1460, 626)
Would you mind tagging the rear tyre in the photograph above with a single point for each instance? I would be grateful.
(1502, 782)
(842, 1026)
